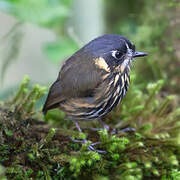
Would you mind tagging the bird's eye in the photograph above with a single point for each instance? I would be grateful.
(117, 54)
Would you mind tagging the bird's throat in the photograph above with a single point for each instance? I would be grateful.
(122, 68)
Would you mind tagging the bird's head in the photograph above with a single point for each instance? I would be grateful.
(113, 52)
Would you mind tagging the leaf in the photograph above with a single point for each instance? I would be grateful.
(41, 12)
(60, 50)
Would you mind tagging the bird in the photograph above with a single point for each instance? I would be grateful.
(94, 79)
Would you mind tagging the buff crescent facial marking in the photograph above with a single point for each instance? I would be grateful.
(101, 63)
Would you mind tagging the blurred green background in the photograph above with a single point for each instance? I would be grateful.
(37, 36)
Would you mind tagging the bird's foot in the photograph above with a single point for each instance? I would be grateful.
(91, 146)
(114, 130)
(84, 141)
(123, 130)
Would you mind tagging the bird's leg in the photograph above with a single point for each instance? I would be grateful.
(78, 140)
(84, 141)
(104, 125)
(78, 127)
(80, 130)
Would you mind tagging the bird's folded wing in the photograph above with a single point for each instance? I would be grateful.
(76, 80)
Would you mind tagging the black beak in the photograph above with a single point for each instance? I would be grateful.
(139, 54)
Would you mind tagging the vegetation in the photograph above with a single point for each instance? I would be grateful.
(31, 148)
(36, 147)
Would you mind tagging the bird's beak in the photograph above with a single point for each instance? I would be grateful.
(139, 54)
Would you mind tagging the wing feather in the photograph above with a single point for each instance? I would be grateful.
(78, 78)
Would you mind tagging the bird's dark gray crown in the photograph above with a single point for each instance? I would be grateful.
(106, 43)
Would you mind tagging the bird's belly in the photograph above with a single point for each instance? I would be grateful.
(83, 109)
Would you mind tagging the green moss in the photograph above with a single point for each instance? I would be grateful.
(32, 148)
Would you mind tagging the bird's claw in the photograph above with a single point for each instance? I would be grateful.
(91, 148)
(127, 129)
(124, 130)
(77, 140)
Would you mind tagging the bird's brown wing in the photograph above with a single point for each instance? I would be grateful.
(53, 97)
(78, 78)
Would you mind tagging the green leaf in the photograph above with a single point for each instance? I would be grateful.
(60, 50)
(41, 12)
